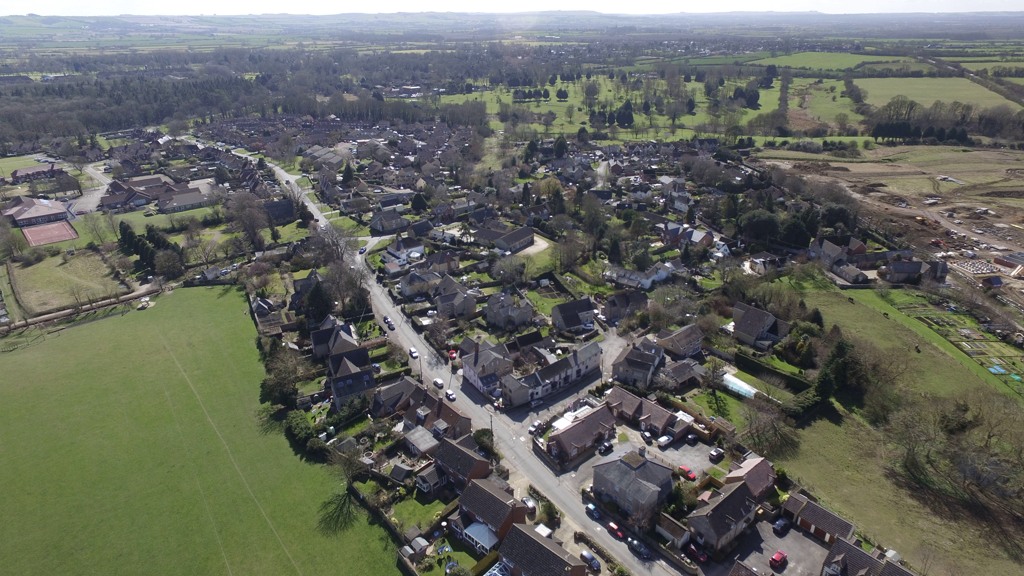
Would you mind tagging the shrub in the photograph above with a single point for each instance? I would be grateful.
(801, 404)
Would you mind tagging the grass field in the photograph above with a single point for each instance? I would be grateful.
(54, 283)
(144, 454)
(827, 60)
(843, 460)
(810, 101)
(925, 91)
(11, 163)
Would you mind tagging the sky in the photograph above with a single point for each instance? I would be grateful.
(231, 7)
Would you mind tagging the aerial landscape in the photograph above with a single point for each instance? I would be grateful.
(512, 294)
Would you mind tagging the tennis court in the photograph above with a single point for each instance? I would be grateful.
(42, 234)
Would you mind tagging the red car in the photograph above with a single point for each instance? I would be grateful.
(778, 560)
(685, 472)
(615, 531)
(696, 554)
(452, 354)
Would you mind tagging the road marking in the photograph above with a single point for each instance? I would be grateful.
(231, 455)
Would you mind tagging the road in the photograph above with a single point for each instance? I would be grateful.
(90, 198)
(292, 182)
(509, 435)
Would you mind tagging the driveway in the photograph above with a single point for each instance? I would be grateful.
(90, 198)
(758, 543)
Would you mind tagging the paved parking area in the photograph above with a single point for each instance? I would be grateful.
(758, 543)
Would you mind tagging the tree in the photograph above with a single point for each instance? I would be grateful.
(767, 432)
(337, 513)
(561, 147)
(168, 264)
(94, 223)
(760, 225)
(247, 215)
(318, 303)
(347, 175)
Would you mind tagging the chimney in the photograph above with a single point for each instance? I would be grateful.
(476, 347)
(642, 451)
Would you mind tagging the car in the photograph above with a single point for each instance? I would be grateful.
(431, 313)
(615, 531)
(534, 428)
(648, 438)
(685, 472)
(590, 560)
(387, 320)
(604, 448)
(453, 354)
(664, 441)
(716, 454)
(691, 439)
(639, 548)
(362, 250)
(375, 366)
(531, 505)
(778, 560)
(696, 554)
(391, 325)
(781, 526)
(593, 512)
(413, 353)
(438, 382)
(450, 395)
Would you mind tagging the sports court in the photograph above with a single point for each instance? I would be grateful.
(42, 234)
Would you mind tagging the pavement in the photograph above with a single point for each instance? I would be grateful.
(90, 198)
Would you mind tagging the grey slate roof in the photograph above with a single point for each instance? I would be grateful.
(535, 555)
(488, 502)
(814, 513)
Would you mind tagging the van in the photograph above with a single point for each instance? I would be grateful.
(591, 561)
(537, 403)
(664, 441)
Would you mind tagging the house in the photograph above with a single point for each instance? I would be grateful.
(764, 263)
(420, 442)
(637, 485)
(683, 343)
(460, 461)
(636, 279)
(574, 316)
(301, 289)
(280, 211)
(387, 222)
(430, 479)
(560, 374)
(444, 262)
(850, 273)
(677, 374)
(636, 364)
(184, 201)
(515, 240)
(846, 558)
(816, 520)
(507, 311)
(24, 211)
(418, 283)
(640, 412)
(453, 300)
(582, 435)
(485, 366)
(992, 282)
(393, 397)
(721, 515)
(623, 304)
(756, 327)
(674, 532)
(485, 515)
(757, 472)
(526, 553)
(740, 568)
(429, 410)
(346, 379)
(405, 248)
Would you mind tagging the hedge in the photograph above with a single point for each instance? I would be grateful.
(751, 365)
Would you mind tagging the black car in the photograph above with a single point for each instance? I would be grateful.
(639, 548)
(604, 448)
(781, 526)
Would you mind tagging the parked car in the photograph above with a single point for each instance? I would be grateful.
(695, 553)
(413, 353)
(716, 454)
(590, 560)
(387, 319)
(438, 382)
(685, 472)
(534, 428)
(375, 366)
(604, 448)
(664, 441)
(391, 326)
(778, 560)
(648, 438)
(781, 526)
(531, 505)
(639, 548)
(691, 439)
(593, 512)
(362, 250)
(615, 531)
(450, 395)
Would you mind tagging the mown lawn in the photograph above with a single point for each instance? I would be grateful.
(925, 91)
(132, 445)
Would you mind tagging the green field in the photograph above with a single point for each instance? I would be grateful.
(55, 283)
(827, 60)
(925, 91)
(138, 449)
(11, 163)
(820, 102)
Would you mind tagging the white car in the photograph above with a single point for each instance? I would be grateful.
(450, 395)
(438, 382)
(413, 353)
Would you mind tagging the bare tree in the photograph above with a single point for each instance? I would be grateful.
(94, 224)
(767, 432)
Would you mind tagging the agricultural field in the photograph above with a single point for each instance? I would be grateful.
(842, 459)
(925, 91)
(60, 282)
(977, 64)
(812, 102)
(828, 60)
(160, 462)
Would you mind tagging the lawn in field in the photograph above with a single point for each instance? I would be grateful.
(12, 163)
(132, 445)
(821, 102)
(925, 91)
(827, 60)
(63, 281)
